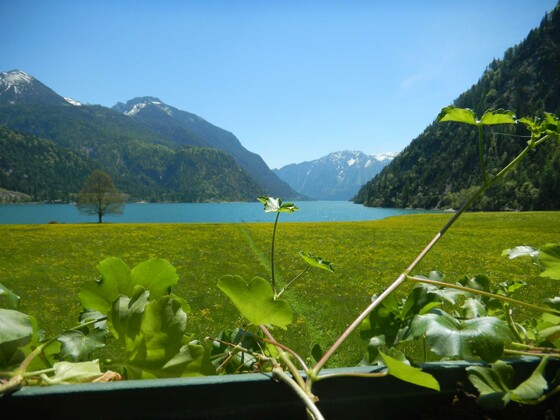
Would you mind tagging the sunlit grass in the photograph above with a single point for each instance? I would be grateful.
(46, 264)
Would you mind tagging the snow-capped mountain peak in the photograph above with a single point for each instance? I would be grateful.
(336, 176)
(17, 87)
(14, 78)
(14, 81)
(134, 106)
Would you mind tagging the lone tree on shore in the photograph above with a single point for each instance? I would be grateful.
(100, 197)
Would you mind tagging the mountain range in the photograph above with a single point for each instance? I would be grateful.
(153, 151)
(439, 168)
(337, 176)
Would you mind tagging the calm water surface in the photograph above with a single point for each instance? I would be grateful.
(310, 211)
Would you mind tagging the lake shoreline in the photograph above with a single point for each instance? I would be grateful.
(215, 212)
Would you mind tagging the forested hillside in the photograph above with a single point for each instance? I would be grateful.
(46, 171)
(50, 144)
(39, 167)
(440, 167)
(184, 128)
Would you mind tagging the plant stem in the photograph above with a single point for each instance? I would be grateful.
(291, 281)
(38, 372)
(288, 350)
(272, 255)
(402, 277)
(16, 381)
(353, 375)
(279, 374)
(544, 397)
(481, 154)
(530, 353)
(487, 294)
(282, 355)
(535, 348)
(356, 323)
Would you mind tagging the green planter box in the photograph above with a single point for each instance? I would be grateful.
(249, 396)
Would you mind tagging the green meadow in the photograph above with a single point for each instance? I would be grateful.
(47, 264)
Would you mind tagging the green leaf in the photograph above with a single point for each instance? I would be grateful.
(16, 330)
(410, 374)
(184, 304)
(256, 301)
(462, 115)
(473, 308)
(274, 205)
(422, 299)
(499, 116)
(15, 327)
(384, 321)
(521, 251)
(551, 125)
(508, 288)
(317, 262)
(467, 116)
(163, 325)
(554, 302)
(533, 387)
(90, 315)
(115, 281)
(483, 337)
(493, 383)
(532, 125)
(156, 275)
(191, 360)
(125, 316)
(159, 339)
(77, 346)
(8, 299)
(549, 259)
(551, 333)
(479, 282)
(73, 373)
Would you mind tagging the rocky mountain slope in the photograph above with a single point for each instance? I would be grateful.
(337, 176)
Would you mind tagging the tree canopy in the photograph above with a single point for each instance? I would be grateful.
(100, 197)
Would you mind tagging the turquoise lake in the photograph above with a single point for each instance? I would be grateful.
(310, 211)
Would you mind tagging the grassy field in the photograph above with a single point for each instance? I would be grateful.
(46, 264)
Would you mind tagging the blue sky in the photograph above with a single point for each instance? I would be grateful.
(293, 80)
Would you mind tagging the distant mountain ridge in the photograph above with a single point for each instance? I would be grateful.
(439, 168)
(185, 128)
(337, 176)
(153, 151)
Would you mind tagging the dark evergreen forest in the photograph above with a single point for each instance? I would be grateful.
(440, 168)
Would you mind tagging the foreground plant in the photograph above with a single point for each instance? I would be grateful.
(133, 307)
(386, 322)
